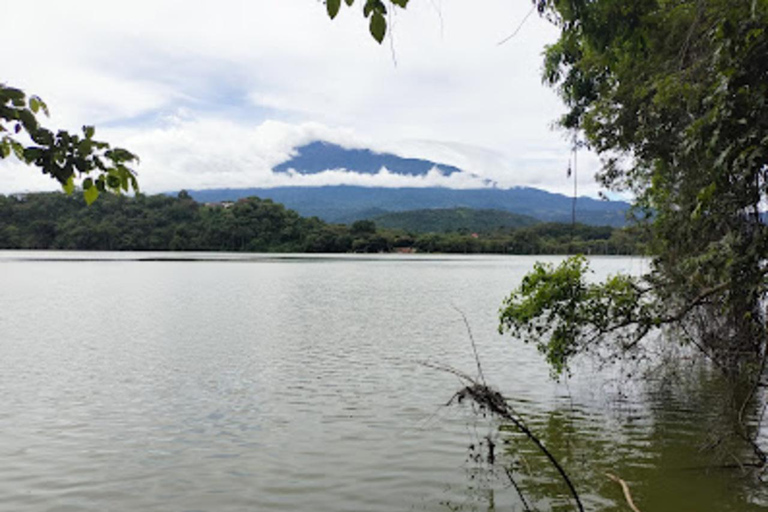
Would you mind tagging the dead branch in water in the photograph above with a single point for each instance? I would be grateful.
(517, 488)
(625, 488)
(474, 345)
(487, 398)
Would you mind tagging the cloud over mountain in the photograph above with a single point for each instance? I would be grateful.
(235, 88)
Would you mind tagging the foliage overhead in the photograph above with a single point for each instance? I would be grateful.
(62, 155)
(673, 95)
(374, 10)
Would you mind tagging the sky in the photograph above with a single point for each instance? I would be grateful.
(215, 94)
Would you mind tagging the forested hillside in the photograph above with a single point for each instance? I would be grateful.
(442, 220)
(164, 223)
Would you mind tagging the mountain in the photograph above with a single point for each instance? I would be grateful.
(320, 156)
(345, 204)
(441, 220)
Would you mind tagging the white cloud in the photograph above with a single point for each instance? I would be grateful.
(215, 94)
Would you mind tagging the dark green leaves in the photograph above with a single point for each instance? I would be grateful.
(673, 96)
(333, 7)
(378, 26)
(375, 10)
(559, 310)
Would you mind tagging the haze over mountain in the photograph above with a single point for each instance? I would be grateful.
(349, 202)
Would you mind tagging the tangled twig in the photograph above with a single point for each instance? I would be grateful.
(491, 400)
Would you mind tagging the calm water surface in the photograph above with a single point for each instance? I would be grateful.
(230, 383)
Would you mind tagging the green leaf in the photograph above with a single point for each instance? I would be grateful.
(5, 147)
(69, 186)
(12, 93)
(113, 182)
(43, 106)
(18, 149)
(90, 194)
(101, 184)
(400, 3)
(333, 7)
(27, 118)
(134, 182)
(118, 155)
(84, 148)
(34, 104)
(89, 131)
(32, 153)
(42, 137)
(349, 2)
(87, 183)
(378, 26)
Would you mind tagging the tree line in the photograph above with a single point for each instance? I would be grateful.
(167, 223)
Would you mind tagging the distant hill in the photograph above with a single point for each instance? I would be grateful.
(345, 204)
(320, 156)
(441, 220)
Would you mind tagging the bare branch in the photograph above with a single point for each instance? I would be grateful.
(625, 488)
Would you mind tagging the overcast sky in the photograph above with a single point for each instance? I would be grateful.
(215, 93)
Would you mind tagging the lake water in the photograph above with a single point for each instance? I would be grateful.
(266, 383)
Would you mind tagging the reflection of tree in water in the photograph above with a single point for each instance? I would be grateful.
(674, 446)
(484, 484)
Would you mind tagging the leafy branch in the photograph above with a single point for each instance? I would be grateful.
(376, 10)
(564, 315)
(62, 155)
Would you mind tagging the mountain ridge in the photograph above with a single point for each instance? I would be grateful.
(347, 203)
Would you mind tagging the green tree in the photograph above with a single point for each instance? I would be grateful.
(674, 97)
(363, 227)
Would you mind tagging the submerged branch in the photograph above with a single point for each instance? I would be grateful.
(527, 507)
(490, 399)
(625, 488)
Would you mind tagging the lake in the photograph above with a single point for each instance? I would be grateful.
(215, 382)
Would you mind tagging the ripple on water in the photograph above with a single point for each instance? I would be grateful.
(298, 385)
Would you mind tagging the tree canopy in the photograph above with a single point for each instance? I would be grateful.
(165, 223)
(673, 95)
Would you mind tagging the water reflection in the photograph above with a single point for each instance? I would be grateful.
(672, 442)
